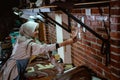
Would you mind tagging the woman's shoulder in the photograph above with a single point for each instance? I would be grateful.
(26, 42)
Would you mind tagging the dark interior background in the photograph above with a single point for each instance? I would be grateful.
(7, 18)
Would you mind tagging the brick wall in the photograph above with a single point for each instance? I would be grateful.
(51, 34)
(51, 31)
(87, 51)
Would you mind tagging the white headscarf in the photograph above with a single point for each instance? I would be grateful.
(26, 31)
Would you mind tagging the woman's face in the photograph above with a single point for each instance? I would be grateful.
(35, 34)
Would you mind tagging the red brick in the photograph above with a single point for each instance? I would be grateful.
(115, 71)
(83, 11)
(115, 35)
(96, 23)
(87, 43)
(100, 54)
(115, 57)
(106, 10)
(89, 34)
(115, 64)
(87, 22)
(76, 63)
(93, 51)
(95, 11)
(115, 42)
(96, 57)
(95, 46)
(115, 11)
(99, 41)
(115, 3)
(97, 69)
(107, 75)
(115, 27)
(104, 67)
(76, 11)
(81, 45)
(113, 77)
(115, 49)
(101, 30)
(91, 59)
(78, 60)
(105, 62)
(92, 39)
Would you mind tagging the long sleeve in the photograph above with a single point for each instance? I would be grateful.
(39, 49)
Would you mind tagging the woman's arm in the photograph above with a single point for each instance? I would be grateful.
(68, 41)
(37, 48)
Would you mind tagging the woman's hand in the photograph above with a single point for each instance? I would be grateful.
(74, 35)
(73, 39)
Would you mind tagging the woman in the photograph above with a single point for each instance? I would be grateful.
(25, 47)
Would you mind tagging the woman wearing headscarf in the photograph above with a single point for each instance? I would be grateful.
(24, 48)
